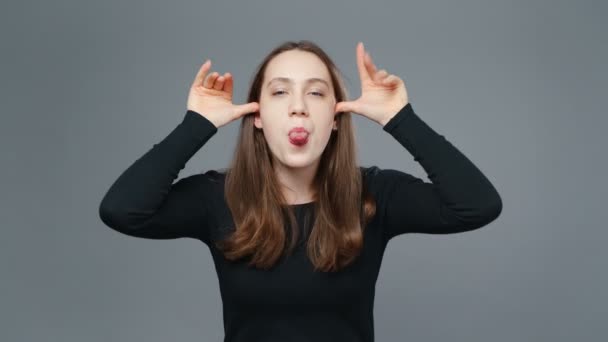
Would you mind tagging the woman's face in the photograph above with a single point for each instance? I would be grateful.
(296, 92)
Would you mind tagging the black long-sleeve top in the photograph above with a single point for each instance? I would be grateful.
(291, 302)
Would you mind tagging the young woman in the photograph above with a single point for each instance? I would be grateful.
(296, 228)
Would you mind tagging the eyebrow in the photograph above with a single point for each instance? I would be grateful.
(289, 80)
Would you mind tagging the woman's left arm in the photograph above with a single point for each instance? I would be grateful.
(460, 197)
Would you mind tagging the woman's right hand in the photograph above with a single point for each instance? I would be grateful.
(211, 96)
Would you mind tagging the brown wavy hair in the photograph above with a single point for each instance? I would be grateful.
(342, 205)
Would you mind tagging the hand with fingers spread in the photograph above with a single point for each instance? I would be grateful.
(211, 96)
(382, 94)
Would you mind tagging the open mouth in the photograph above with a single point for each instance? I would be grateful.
(299, 138)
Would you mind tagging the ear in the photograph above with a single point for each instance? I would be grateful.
(257, 121)
(335, 128)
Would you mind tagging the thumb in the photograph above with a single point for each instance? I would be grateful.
(247, 108)
(347, 106)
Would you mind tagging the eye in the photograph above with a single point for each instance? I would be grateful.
(319, 94)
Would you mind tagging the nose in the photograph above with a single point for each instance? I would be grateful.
(298, 107)
(299, 112)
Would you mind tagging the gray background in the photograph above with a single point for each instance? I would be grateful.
(518, 86)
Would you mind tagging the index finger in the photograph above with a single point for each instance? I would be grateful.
(363, 71)
(202, 72)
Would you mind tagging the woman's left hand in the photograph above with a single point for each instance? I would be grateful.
(382, 94)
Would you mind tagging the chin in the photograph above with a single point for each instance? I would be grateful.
(298, 161)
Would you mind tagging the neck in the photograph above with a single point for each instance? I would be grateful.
(296, 183)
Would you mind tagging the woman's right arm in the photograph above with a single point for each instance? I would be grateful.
(144, 202)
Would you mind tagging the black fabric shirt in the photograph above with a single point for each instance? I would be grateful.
(291, 302)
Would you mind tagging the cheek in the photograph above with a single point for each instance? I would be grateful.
(327, 120)
(271, 128)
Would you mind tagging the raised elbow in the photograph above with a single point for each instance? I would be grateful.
(111, 216)
(492, 211)
(482, 215)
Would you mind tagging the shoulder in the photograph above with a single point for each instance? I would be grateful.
(369, 171)
(209, 176)
(374, 173)
(380, 179)
(203, 182)
(216, 175)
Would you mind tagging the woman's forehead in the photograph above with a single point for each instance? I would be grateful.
(298, 66)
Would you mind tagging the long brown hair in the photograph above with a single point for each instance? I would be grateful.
(342, 205)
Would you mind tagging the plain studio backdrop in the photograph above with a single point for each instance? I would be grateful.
(518, 86)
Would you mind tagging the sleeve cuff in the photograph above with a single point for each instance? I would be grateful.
(403, 114)
(198, 124)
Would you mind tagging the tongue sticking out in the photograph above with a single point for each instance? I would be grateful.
(299, 138)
